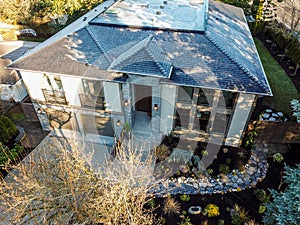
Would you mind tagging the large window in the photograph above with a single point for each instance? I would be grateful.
(205, 97)
(185, 94)
(182, 118)
(97, 125)
(220, 123)
(227, 99)
(93, 95)
(202, 120)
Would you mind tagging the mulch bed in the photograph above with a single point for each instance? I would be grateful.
(246, 199)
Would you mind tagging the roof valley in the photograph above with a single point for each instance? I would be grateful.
(102, 50)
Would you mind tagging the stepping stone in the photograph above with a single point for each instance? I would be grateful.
(266, 115)
(275, 115)
(269, 111)
(272, 119)
(280, 114)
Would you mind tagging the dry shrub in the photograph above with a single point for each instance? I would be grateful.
(162, 152)
(58, 185)
(171, 206)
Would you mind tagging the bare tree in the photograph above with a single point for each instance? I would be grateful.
(57, 185)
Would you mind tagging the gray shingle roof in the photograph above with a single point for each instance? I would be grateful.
(144, 58)
(224, 57)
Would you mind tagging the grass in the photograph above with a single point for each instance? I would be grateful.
(282, 87)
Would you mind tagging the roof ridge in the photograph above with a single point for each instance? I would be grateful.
(102, 50)
(152, 39)
(130, 52)
(244, 69)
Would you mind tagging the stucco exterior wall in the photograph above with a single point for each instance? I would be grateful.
(72, 87)
(239, 119)
(168, 96)
(34, 83)
(112, 96)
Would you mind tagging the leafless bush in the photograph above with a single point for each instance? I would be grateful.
(58, 185)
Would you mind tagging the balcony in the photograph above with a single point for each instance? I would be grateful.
(92, 101)
(55, 96)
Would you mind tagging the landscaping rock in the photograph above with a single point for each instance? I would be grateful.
(272, 119)
(180, 156)
(266, 115)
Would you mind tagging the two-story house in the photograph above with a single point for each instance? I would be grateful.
(188, 66)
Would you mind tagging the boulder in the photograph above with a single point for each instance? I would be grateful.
(180, 156)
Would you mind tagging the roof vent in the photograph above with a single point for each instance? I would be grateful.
(158, 12)
(196, 2)
(112, 12)
(140, 5)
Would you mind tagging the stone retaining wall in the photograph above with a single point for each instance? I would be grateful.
(255, 170)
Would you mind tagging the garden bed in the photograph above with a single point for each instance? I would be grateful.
(246, 199)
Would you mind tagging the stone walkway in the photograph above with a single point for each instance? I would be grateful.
(255, 170)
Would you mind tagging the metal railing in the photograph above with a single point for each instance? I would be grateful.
(55, 96)
(92, 101)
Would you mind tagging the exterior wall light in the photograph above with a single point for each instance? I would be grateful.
(39, 111)
(155, 108)
(118, 122)
(126, 103)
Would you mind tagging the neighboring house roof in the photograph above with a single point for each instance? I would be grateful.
(223, 57)
(10, 51)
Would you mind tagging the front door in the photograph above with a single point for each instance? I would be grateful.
(143, 98)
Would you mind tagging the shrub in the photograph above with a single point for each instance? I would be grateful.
(210, 171)
(261, 195)
(184, 198)
(18, 117)
(185, 221)
(162, 152)
(204, 152)
(171, 206)
(212, 210)
(295, 105)
(238, 215)
(184, 212)
(228, 160)
(59, 186)
(277, 157)
(284, 207)
(224, 169)
(162, 220)
(251, 222)
(151, 203)
(7, 129)
(221, 222)
(261, 209)
(7, 155)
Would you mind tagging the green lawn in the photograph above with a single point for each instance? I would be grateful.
(282, 87)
